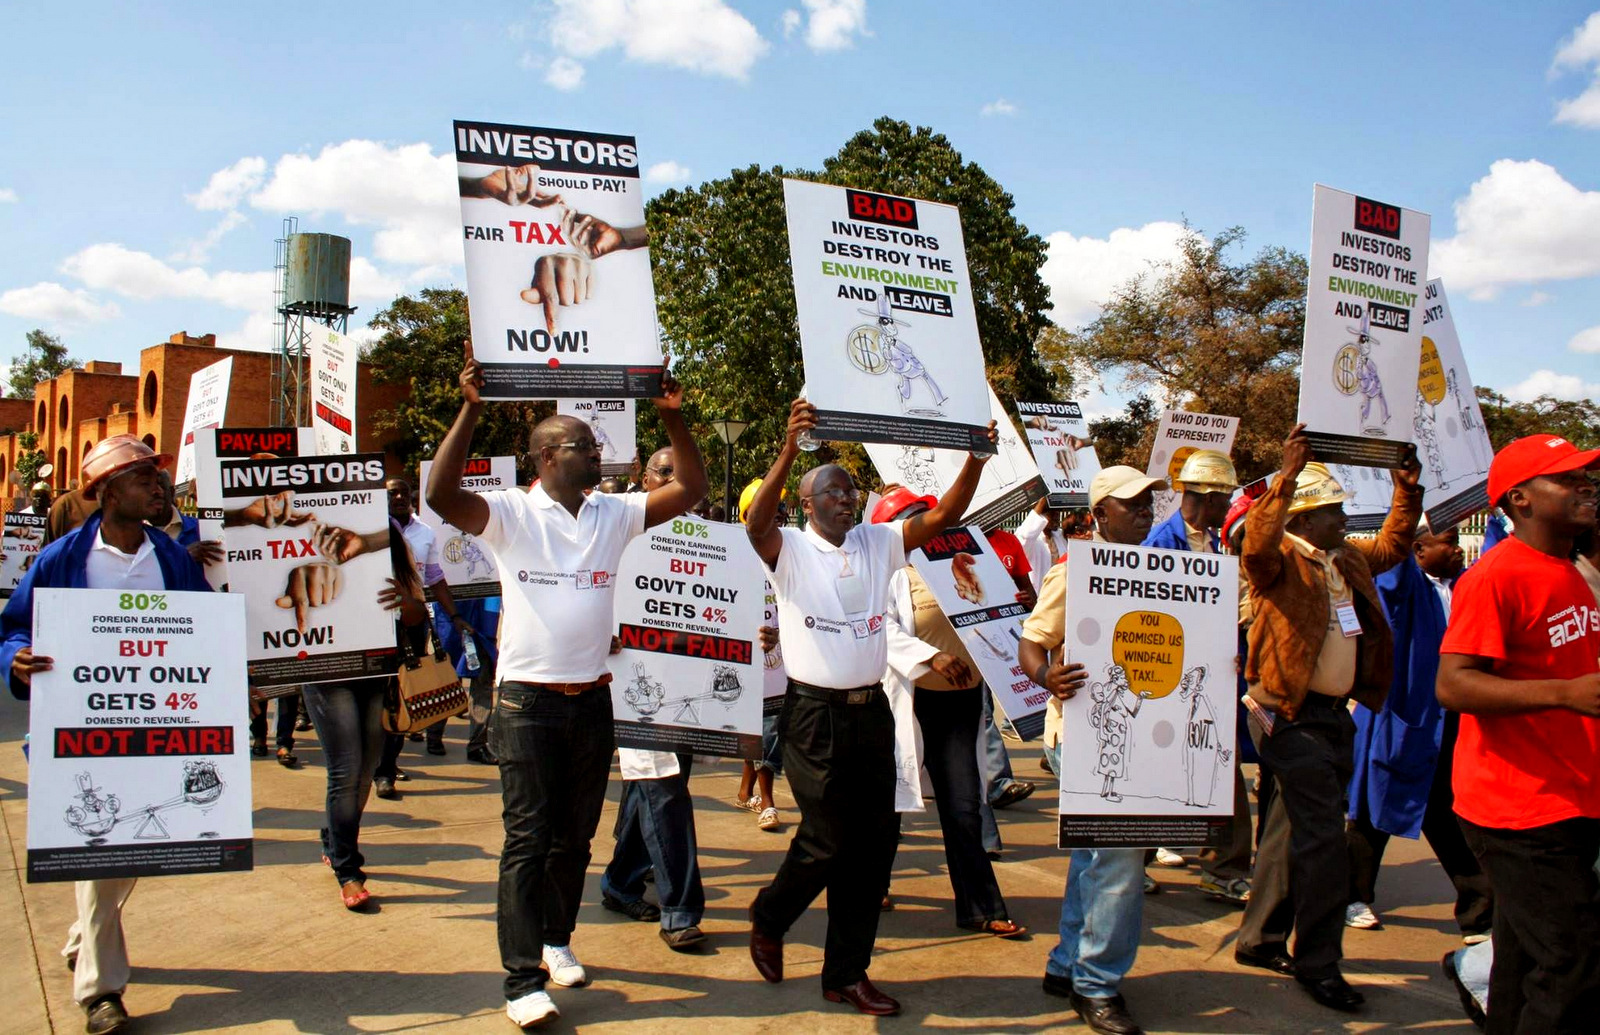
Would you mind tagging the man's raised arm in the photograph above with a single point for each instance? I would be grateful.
(688, 485)
(761, 519)
(463, 508)
(919, 528)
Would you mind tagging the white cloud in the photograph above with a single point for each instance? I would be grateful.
(791, 22)
(1000, 106)
(258, 333)
(1586, 340)
(830, 24)
(368, 283)
(1537, 298)
(8, 196)
(200, 250)
(703, 36)
(1556, 385)
(1082, 272)
(666, 172)
(564, 74)
(1581, 50)
(407, 192)
(1523, 223)
(49, 302)
(227, 187)
(112, 267)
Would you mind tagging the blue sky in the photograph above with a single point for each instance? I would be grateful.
(149, 152)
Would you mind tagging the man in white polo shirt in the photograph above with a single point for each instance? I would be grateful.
(558, 547)
(832, 585)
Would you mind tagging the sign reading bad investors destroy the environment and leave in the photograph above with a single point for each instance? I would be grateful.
(1363, 339)
(558, 272)
(469, 569)
(307, 543)
(1147, 748)
(690, 676)
(140, 764)
(888, 329)
(1180, 433)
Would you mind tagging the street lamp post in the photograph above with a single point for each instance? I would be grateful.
(728, 431)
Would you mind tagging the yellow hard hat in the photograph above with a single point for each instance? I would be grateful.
(1207, 470)
(749, 494)
(1316, 487)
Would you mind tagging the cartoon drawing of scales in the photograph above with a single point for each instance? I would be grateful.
(646, 695)
(95, 813)
(877, 349)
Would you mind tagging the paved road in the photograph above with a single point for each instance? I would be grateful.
(273, 951)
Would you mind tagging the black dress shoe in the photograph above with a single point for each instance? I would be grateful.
(106, 1015)
(1333, 992)
(1275, 958)
(1107, 1014)
(864, 996)
(386, 789)
(765, 952)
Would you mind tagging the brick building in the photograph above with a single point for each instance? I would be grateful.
(73, 411)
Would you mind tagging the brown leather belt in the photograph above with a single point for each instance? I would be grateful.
(571, 689)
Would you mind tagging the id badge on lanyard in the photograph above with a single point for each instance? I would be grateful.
(852, 592)
(1349, 624)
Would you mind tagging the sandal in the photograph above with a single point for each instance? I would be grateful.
(751, 804)
(768, 819)
(288, 759)
(354, 894)
(998, 928)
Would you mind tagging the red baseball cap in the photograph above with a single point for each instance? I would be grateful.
(1532, 456)
(1009, 549)
(896, 500)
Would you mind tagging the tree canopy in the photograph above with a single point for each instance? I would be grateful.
(1576, 421)
(43, 357)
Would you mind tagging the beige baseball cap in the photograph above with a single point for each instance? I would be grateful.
(1121, 482)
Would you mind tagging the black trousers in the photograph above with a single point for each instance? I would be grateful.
(1474, 899)
(1302, 873)
(1546, 976)
(840, 763)
(950, 721)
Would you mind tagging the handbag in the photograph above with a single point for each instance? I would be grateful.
(425, 690)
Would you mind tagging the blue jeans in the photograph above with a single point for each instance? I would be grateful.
(771, 747)
(555, 758)
(655, 830)
(349, 721)
(1102, 913)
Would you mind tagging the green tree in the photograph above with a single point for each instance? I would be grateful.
(43, 357)
(29, 459)
(1210, 334)
(725, 295)
(421, 348)
(1126, 437)
(1577, 421)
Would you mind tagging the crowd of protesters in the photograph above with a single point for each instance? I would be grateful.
(1384, 691)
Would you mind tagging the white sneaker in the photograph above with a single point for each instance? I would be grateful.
(532, 1010)
(565, 970)
(1360, 916)
(1167, 857)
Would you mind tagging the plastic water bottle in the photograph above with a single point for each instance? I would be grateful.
(469, 647)
(805, 440)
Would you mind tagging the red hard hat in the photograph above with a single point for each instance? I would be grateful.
(110, 457)
(1241, 506)
(896, 500)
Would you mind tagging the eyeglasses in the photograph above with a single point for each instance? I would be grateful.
(665, 472)
(837, 495)
(582, 445)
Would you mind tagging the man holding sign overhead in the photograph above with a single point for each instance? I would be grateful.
(832, 585)
(557, 546)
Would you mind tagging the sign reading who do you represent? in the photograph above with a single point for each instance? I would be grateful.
(1363, 338)
(1147, 747)
(139, 765)
(888, 329)
(690, 675)
(558, 272)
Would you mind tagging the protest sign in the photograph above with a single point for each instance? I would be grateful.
(333, 390)
(1363, 336)
(24, 538)
(775, 680)
(1180, 433)
(206, 407)
(139, 764)
(615, 430)
(1148, 748)
(1063, 450)
(558, 272)
(307, 544)
(888, 330)
(1010, 481)
(469, 569)
(689, 677)
(1452, 442)
(979, 597)
(217, 444)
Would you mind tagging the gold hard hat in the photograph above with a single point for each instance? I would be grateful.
(1316, 487)
(1206, 470)
(749, 494)
(110, 457)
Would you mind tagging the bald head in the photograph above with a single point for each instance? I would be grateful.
(551, 430)
(563, 467)
(826, 477)
(660, 470)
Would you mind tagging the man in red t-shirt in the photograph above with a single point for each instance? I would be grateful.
(1521, 662)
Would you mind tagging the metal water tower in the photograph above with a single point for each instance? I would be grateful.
(313, 284)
